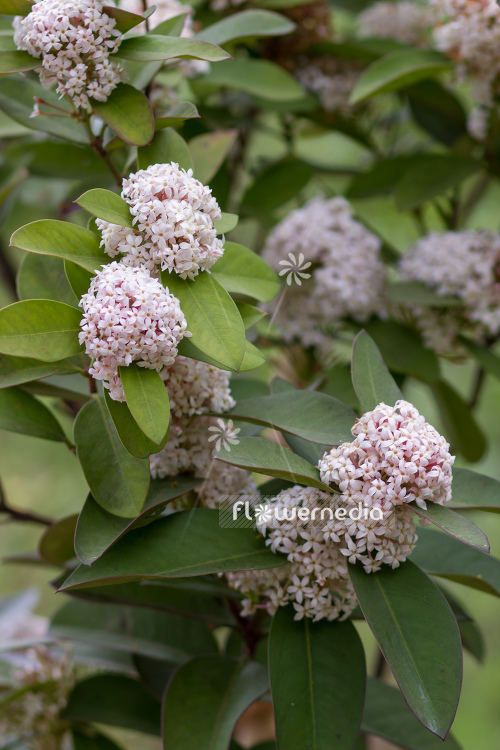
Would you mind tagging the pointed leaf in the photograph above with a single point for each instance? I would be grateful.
(209, 151)
(473, 490)
(403, 351)
(186, 543)
(212, 317)
(265, 457)
(227, 223)
(452, 523)
(78, 278)
(62, 239)
(43, 277)
(106, 205)
(205, 698)
(315, 705)
(127, 112)
(372, 380)
(57, 543)
(252, 358)
(147, 399)
(129, 432)
(260, 78)
(241, 271)
(21, 412)
(419, 637)
(250, 314)
(16, 61)
(167, 146)
(18, 370)
(124, 19)
(87, 738)
(42, 328)
(118, 481)
(157, 47)
(248, 23)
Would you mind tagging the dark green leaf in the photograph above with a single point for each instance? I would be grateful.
(106, 205)
(118, 481)
(18, 370)
(318, 678)
(64, 240)
(42, 328)
(57, 543)
(485, 357)
(434, 175)
(78, 278)
(265, 457)
(209, 151)
(277, 185)
(452, 523)
(98, 530)
(251, 359)
(437, 111)
(157, 47)
(63, 160)
(124, 19)
(43, 277)
(147, 399)
(461, 427)
(383, 177)
(403, 351)
(418, 635)
(87, 738)
(205, 698)
(415, 293)
(16, 61)
(261, 78)
(127, 112)
(372, 380)
(21, 412)
(129, 432)
(166, 146)
(241, 271)
(249, 23)
(473, 490)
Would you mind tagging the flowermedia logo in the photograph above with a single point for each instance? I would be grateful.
(294, 268)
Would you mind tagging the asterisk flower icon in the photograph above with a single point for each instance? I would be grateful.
(263, 513)
(225, 434)
(294, 269)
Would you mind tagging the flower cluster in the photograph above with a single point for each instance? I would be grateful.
(129, 317)
(174, 218)
(196, 388)
(74, 38)
(468, 31)
(396, 458)
(405, 22)
(348, 275)
(465, 264)
(330, 79)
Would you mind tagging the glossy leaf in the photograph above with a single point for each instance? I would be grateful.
(64, 240)
(433, 176)
(241, 271)
(21, 412)
(252, 358)
(265, 457)
(260, 78)
(124, 19)
(43, 277)
(175, 117)
(156, 47)
(127, 112)
(118, 481)
(461, 427)
(227, 223)
(78, 278)
(473, 490)
(97, 530)
(308, 414)
(172, 26)
(403, 351)
(43, 329)
(455, 524)
(248, 23)
(209, 151)
(186, 543)
(397, 70)
(18, 370)
(166, 146)
(147, 399)
(318, 677)
(205, 698)
(212, 317)
(372, 380)
(57, 543)
(249, 314)
(418, 635)
(16, 61)
(129, 432)
(106, 205)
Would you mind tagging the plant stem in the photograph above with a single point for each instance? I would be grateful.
(19, 515)
(477, 386)
(95, 142)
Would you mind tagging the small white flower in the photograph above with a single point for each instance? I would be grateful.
(225, 434)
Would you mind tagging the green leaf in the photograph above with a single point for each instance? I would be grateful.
(115, 700)
(16, 61)
(129, 432)
(485, 357)
(441, 555)
(171, 26)
(260, 78)
(403, 351)
(118, 481)
(276, 185)
(127, 112)
(175, 117)
(265, 457)
(249, 23)
(124, 19)
(209, 151)
(461, 427)
(166, 146)
(415, 293)
(433, 176)
(250, 315)
(87, 738)
(42, 328)
(418, 635)
(227, 223)
(386, 715)
(18, 370)
(63, 160)
(21, 412)
(241, 271)
(307, 414)
(396, 71)
(133, 629)
(438, 111)
(212, 317)
(106, 205)
(157, 47)
(147, 399)
(64, 240)
(318, 679)
(79, 278)
(15, 7)
(205, 698)
(43, 277)
(57, 543)
(372, 380)
(252, 358)
(473, 490)
(98, 530)
(186, 543)
(452, 523)
(383, 177)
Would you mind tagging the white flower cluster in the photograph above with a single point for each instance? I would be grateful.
(74, 38)
(348, 275)
(468, 31)
(465, 264)
(396, 458)
(129, 317)
(197, 388)
(331, 79)
(405, 22)
(174, 218)
(44, 681)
